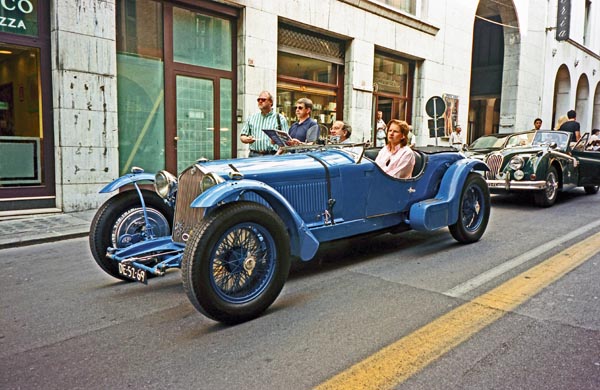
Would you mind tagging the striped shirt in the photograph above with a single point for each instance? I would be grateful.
(254, 126)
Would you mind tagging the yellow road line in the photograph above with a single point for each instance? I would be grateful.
(399, 361)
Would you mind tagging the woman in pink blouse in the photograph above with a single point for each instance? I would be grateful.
(396, 158)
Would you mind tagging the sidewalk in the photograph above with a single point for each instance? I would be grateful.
(34, 229)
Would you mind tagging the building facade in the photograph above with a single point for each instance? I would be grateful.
(91, 88)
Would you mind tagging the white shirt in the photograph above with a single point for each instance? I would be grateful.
(456, 139)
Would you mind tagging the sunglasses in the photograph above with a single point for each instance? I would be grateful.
(299, 108)
(260, 100)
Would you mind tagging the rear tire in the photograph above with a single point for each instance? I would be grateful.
(122, 215)
(591, 190)
(474, 210)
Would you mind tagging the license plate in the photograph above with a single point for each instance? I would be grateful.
(496, 184)
(133, 273)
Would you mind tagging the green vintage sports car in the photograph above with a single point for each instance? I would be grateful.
(553, 162)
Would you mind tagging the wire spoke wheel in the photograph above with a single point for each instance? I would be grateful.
(547, 197)
(243, 263)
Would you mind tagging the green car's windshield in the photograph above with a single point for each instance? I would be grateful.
(548, 137)
(524, 139)
(488, 142)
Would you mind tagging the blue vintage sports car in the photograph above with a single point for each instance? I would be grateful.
(234, 226)
(553, 162)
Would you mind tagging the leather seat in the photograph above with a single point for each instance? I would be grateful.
(419, 163)
(372, 153)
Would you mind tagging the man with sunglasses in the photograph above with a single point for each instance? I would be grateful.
(306, 129)
(252, 132)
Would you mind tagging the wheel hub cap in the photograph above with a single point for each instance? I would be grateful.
(249, 263)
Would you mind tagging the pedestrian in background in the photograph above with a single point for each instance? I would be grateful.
(571, 125)
(381, 128)
(456, 139)
(252, 132)
(562, 119)
(411, 137)
(537, 124)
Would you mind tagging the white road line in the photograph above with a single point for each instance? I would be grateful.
(485, 277)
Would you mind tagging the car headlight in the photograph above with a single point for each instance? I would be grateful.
(165, 184)
(516, 162)
(210, 180)
(519, 174)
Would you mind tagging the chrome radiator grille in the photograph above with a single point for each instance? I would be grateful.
(186, 218)
(494, 161)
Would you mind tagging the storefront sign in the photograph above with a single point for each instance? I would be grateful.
(18, 16)
(563, 20)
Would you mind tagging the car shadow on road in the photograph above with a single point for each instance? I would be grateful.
(525, 200)
(347, 252)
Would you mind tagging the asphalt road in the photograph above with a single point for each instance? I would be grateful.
(64, 324)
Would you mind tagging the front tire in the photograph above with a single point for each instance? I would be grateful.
(121, 219)
(547, 197)
(236, 262)
(474, 212)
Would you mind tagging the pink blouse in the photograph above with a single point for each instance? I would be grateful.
(398, 163)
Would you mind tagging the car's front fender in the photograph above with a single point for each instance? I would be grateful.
(303, 243)
(442, 211)
(124, 180)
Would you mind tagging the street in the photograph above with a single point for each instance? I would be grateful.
(65, 324)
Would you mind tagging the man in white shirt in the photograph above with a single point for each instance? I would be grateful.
(456, 139)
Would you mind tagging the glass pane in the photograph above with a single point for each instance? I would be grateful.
(141, 113)
(306, 68)
(139, 28)
(140, 85)
(390, 75)
(201, 39)
(403, 5)
(21, 133)
(19, 17)
(226, 131)
(195, 120)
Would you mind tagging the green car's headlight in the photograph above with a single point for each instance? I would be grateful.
(516, 162)
(164, 184)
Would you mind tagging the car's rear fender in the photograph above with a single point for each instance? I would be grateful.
(303, 243)
(127, 179)
(442, 211)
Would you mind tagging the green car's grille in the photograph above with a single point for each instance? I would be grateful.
(494, 162)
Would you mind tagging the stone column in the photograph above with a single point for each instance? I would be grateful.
(358, 89)
(85, 100)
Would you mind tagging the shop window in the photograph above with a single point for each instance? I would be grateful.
(310, 65)
(140, 85)
(21, 132)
